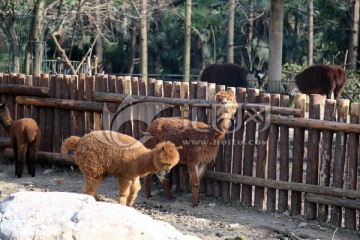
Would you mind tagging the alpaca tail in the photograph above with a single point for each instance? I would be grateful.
(70, 143)
(31, 132)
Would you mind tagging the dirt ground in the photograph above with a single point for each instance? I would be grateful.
(212, 219)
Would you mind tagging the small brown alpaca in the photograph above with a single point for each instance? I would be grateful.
(25, 139)
(200, 142)
(102, 153)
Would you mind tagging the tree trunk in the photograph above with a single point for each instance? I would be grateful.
(353, 45)
(132, 47)
(310, 57)
(187, 41)
(250, 32)
(230, 33)
(34, 52)
(99, 40)
(15, 48)
(275, 44)
(143, 39)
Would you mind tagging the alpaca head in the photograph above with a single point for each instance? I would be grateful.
(166, 156)
(5, 117)
(225, 108)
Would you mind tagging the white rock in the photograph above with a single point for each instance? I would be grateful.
(302, 224)
(58, 215)
(47, 171)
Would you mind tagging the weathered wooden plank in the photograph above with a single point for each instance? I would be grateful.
(351, 171)
(339, 159)
(24, 90)
(298, 157)
(81, 123)
(334, 201)
(312, 168)
(326, 155)
(239, 143)
(253, 97)
(270, 183)
(284, 159)
(262, 155)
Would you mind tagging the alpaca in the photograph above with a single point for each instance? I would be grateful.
(322, 79)
(232, 75)
(200, 141)
(102, 153)
(25, 136)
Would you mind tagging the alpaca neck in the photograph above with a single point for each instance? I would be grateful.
(221, 127)
(7, 123)
(145, 164)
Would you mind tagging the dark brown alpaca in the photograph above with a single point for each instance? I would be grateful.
(199, 141)
(25, 138)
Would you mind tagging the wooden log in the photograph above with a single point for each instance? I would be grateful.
(339, 159)
(29, 82)
(192, 96)
(272, 158)
(57, 113)
(184, 94)
(66, 114)
(48, 158)
(227, 156)
(315, 124)
(209, 183)
(49, 129)
(77, 105)
(175, 174)
(20, 81)
(81, 123)
(89, 115)
(284, 159)
(168, 93)
(24, 90)
(120, 88)
(351, 172)
(326, 155)
(135, 114)
(118, 98)
(5, 142)
(253, 97)
(298, 157)
(128, 126)
(219, 157)
(239, 146)
(74, 115)
(312, 168)
(270, 183)
(334, 201)
(261, 157)
(143, 115)
(45, 139)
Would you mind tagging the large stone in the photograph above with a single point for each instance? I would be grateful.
(59, 215)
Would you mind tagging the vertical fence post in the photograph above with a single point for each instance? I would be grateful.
(253, 96)
(284, 160)
(219, 156)
(326, 155)
(351, 173)
(211, 96)
(89, 88)
(272, 158)
(136, 123)
(312, 169)
(81, 115)
(262, 146)
(339, 159)
(239, 143)
(227, 157)
(58, 117)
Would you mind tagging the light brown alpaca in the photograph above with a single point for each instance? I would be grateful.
(102, 153)
(25, 138)
(200, 141)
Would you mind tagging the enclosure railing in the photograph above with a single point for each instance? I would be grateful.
(275, 158)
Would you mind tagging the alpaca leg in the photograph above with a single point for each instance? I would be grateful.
(15, 150)
(167, 187)
(123, 189)
(91, 184)
(134, 189)
(195, 183)
(21, 152)
(31, 158)
(147, 185)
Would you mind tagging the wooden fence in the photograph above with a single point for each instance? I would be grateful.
(274, 159)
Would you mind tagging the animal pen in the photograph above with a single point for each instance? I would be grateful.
(275, 158)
